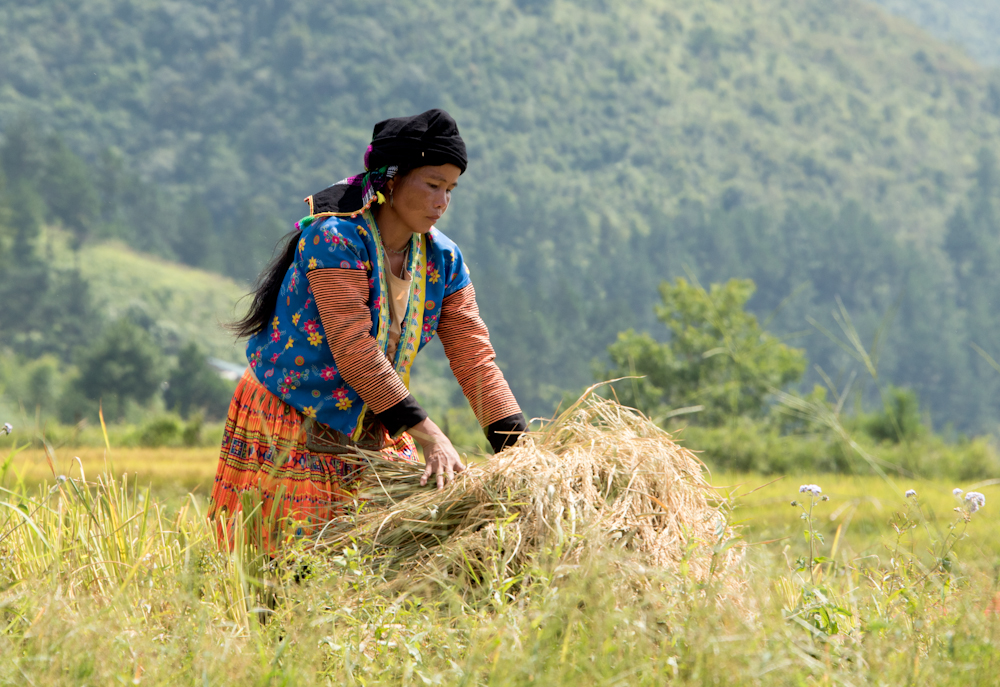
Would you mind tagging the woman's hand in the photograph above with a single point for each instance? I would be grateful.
(440, 456)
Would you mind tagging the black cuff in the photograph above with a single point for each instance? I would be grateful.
(402, 416)
(504, 433)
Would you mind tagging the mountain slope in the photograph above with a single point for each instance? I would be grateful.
(661, 100)
(612, 145)
(175, 303)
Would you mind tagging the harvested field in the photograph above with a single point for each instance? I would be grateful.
(598, 476)
(106, 582)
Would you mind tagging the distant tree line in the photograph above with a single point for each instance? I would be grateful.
(811, 265)
(825, 176)
(71, 359)
(921, 309)
(46, 181)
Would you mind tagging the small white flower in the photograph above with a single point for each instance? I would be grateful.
(7, 428)
(956, 491)
(804, 488)
(911, 493)
(810, 489)
(974, 501)
(60, 479)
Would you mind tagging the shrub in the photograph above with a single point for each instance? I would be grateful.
(717, 356)
(194, 386)
(124, 364)
(161, 431)
(898, 421)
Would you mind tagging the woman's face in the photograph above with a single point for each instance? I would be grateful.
(421, 197)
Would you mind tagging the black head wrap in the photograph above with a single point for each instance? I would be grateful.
(430, 138)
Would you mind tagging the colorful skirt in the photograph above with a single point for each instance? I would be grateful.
(290, 470)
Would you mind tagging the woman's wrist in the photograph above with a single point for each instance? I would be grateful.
(426, 432)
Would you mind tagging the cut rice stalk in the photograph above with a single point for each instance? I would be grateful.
(598, 475)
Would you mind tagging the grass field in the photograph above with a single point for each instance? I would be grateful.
(860, 506)
(170, 472)
(114, 584)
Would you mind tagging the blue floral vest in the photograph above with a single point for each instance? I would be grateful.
(292, 358)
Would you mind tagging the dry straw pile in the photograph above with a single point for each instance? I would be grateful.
(600, 475)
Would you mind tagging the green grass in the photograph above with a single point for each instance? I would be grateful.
(862, 509)
(111, 583)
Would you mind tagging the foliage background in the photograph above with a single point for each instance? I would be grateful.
(827, 150)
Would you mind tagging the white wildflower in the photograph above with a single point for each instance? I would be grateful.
(911, 493)
(956, 491)
(7, 428)
(974, 501)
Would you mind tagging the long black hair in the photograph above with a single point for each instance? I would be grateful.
(268, 285)
(266, 288)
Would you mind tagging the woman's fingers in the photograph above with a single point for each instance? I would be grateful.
(440, 457)
(429, 462)
(442, 463)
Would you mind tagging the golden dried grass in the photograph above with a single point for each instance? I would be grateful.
(598, 476)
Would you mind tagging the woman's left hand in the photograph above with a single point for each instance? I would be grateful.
(440, 457)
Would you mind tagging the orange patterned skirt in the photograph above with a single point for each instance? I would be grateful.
(292, 467)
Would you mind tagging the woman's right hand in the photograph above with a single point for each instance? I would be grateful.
(440, 457)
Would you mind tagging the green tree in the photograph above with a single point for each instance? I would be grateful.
(21, 162)
(898, 421)
(124, 364)
(717, 356)
(250, 236)
(22, 156)
(25, 209)
(194, 241)
(194, 386)
(971, 242)
(69, 191)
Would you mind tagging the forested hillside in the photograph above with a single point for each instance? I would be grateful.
(825, 149)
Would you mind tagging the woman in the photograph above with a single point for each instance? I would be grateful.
(336, 322)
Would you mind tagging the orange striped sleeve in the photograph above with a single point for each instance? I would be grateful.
(467, 344)
(342, 300)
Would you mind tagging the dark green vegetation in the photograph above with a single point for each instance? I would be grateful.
(718, 361)
(827, 151)
(719, 381)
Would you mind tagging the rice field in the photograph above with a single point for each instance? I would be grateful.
(860, 505)
(118, 580)
(168, 471)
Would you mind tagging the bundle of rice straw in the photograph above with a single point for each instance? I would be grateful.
(599, 475)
